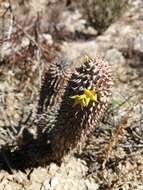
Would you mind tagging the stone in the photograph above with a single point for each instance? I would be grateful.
(114, 56)
(138, 43)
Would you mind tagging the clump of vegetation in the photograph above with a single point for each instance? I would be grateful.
(101, 13)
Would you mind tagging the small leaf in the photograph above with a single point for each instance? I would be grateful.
(114, 103)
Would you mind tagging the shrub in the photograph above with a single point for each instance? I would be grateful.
(101, 13)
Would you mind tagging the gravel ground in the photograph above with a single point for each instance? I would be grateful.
(113, 155)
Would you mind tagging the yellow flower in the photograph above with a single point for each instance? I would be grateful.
(85, 98)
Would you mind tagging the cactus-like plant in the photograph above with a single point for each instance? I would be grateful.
(73, 98)
(81, 106)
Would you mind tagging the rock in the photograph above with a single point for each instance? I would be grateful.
(53, 168)
(25, 42)
(73, 21)
(48, 38)
(39, 176)
(46, 185)
(114, 56)
(138, 43)
(6, 50)
(34, 185)
(91, 185)
(54, 181)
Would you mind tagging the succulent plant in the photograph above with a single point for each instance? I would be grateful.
(73, 98)
(84, 99)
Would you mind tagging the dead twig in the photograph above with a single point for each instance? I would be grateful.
(118, 132)
(11, 20)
